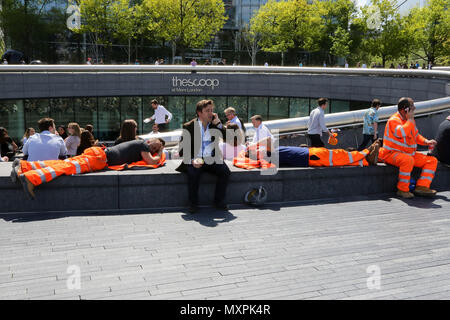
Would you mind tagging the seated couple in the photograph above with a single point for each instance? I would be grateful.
(137, 153)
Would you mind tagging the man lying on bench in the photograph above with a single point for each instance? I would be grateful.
(132, 153)
(254, 156)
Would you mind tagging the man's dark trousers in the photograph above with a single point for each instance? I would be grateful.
(316, 141)
(220, 170)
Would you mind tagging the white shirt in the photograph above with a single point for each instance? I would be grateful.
(229, 151)
(207, 146)
(160, 115)
(151, 133)
(316, 122)
(261, 133)
(44, 146)
(236, 121)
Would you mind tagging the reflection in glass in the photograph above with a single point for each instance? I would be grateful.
(191, 104)
(278, 108)
(108, 118)
(257, 105)
(131, 108)
(62, 111)
(175, 105)
(339, 106)
(299, 107)
(35, 109)
(11, 118)
(86, 113)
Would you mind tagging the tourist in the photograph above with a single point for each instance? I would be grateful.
(73, 140)
(370, 126)
(128, 132)
(7, 144)
(86, 141)
(230, 114)
(316, 123)
(62, 132)
(46, 145)
(29, 132)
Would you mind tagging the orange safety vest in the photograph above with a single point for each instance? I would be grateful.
(140, 164)
(241, 161)
(402, 135)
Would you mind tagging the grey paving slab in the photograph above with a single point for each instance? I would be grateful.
(303, 250)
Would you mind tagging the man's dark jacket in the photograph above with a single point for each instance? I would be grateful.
(189, 130)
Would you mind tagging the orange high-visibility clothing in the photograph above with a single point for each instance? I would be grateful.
(406, 163)
(140, 164)
(337, 157)
(241, 161)
(38, 172)
(399, 149)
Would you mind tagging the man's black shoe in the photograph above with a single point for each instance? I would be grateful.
(222, 206)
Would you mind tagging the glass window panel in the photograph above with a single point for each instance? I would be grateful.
(35, 109)
(131, 108)
(299, 107)
(240, 104)
(358, 105)
(86, 113)
(62, 111)
(148, 111)
(191, 104)
(314, 105)
(175, 104)
(220, 104)
(108, 118)
(340, 106)
(278, 108)
(11, 118)
(257, 105)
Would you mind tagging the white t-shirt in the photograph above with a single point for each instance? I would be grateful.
(229, 151)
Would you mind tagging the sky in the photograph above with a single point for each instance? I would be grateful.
(404, 8)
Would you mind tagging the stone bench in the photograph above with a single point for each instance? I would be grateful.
(113, 191)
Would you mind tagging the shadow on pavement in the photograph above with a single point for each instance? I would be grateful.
(209, 217)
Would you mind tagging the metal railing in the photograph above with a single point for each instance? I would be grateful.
(228, 69)
(333, 120)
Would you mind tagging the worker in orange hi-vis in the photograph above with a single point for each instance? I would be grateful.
(136, 153)
(399, 149)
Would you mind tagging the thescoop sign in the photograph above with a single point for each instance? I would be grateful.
(197, 83)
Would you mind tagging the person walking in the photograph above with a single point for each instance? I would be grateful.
(160, 116)
(316, 124)
(370, 126)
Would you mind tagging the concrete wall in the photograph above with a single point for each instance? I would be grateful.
(110, 191)
(19, 85)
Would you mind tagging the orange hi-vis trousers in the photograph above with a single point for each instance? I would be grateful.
(406, 163)
(337, 157)
(38, 172)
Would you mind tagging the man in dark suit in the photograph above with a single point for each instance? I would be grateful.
(199, 148)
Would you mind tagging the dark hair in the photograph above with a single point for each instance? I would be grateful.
(257, 117)
(202, 104)
(322, 101)
(89, 127)
(376, 103)
(403, 103)
(45, 123)
(154, 101)
(3, 134)
(86, 141)
(127, 131)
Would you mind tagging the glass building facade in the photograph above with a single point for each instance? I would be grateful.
(107, 113)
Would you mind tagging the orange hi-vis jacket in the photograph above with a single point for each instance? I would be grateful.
(337, 157)
(241, 161)
(140, 164)
(402, 135)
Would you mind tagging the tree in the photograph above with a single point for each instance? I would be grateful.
(385, 39)
(288, 25)
(431, 30)
(184, 23)
(251, 40)
(104, 20)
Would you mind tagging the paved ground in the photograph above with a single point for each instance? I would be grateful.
(331, 250)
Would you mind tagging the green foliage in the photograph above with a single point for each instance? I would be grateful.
(184, 23)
